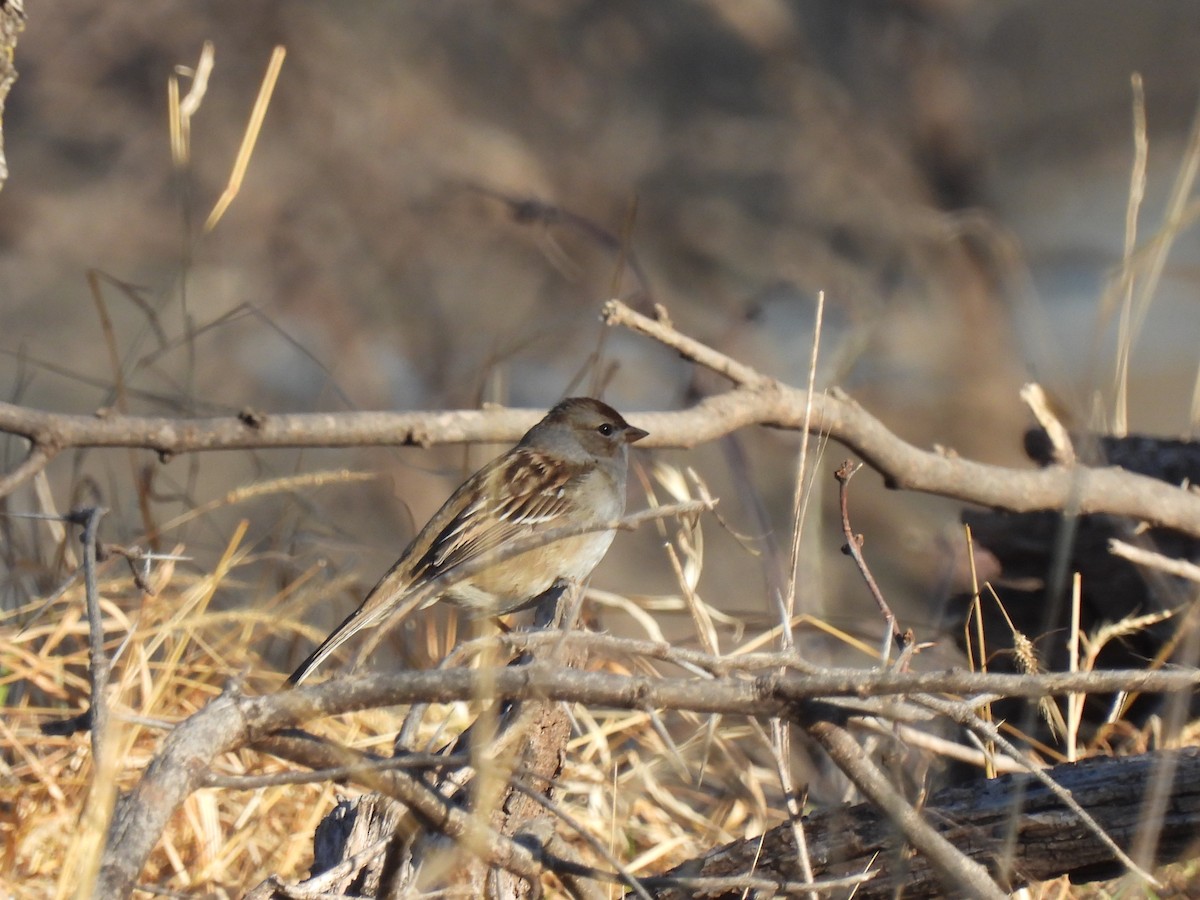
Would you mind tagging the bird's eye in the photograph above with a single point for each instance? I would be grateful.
(606, 429)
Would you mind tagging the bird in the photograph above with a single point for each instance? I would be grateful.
(569, 470)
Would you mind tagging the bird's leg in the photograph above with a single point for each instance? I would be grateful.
(548, 604)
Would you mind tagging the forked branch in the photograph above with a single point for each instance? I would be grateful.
(754, 400)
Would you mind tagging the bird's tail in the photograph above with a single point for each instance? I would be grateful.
(340, 635)
(385, 598)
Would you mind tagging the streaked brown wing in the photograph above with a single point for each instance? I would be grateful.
(524, 491)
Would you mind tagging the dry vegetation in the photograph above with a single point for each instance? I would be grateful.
(673, 797)
(640, 789)
(228, 591)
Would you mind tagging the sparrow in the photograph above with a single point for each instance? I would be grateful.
(567, 471)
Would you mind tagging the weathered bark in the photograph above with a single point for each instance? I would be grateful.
(1049, 840)
(525, 740)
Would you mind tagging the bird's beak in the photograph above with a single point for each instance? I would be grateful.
(634, 434)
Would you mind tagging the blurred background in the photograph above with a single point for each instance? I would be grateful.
(443, 195)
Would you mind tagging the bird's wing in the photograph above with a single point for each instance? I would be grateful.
(512, 496)
(525, 491)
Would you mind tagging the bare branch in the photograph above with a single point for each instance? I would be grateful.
(1180, 568)
(853, 547)
(36, 460)
(98, 664)
(660, 329)
(234, 721)
(760, 401)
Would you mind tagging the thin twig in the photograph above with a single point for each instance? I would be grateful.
(38, 457)
(660, 329)
(121, 400)
(1062, 450)
(749, 885)
(409, 760)
(962, 875)
(965, 715)
(781, 737)
(1181, 568)
(1137, 193)
(89, 520)
(626, 876)
(853, 547)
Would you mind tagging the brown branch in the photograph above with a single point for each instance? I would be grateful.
(903, 466)
(234, 721)
(98, 664)
(38, 457)
(763, 401)
(967, 716)
(662, 330)
(528, 737)
(762, 695)
(853, 547)
(255, 430)
(179, 768)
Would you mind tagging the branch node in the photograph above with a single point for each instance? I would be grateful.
(252, 418)
(846, 471)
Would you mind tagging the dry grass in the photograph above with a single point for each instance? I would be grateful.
(654, 791)
(173, 652)
(176, 652)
